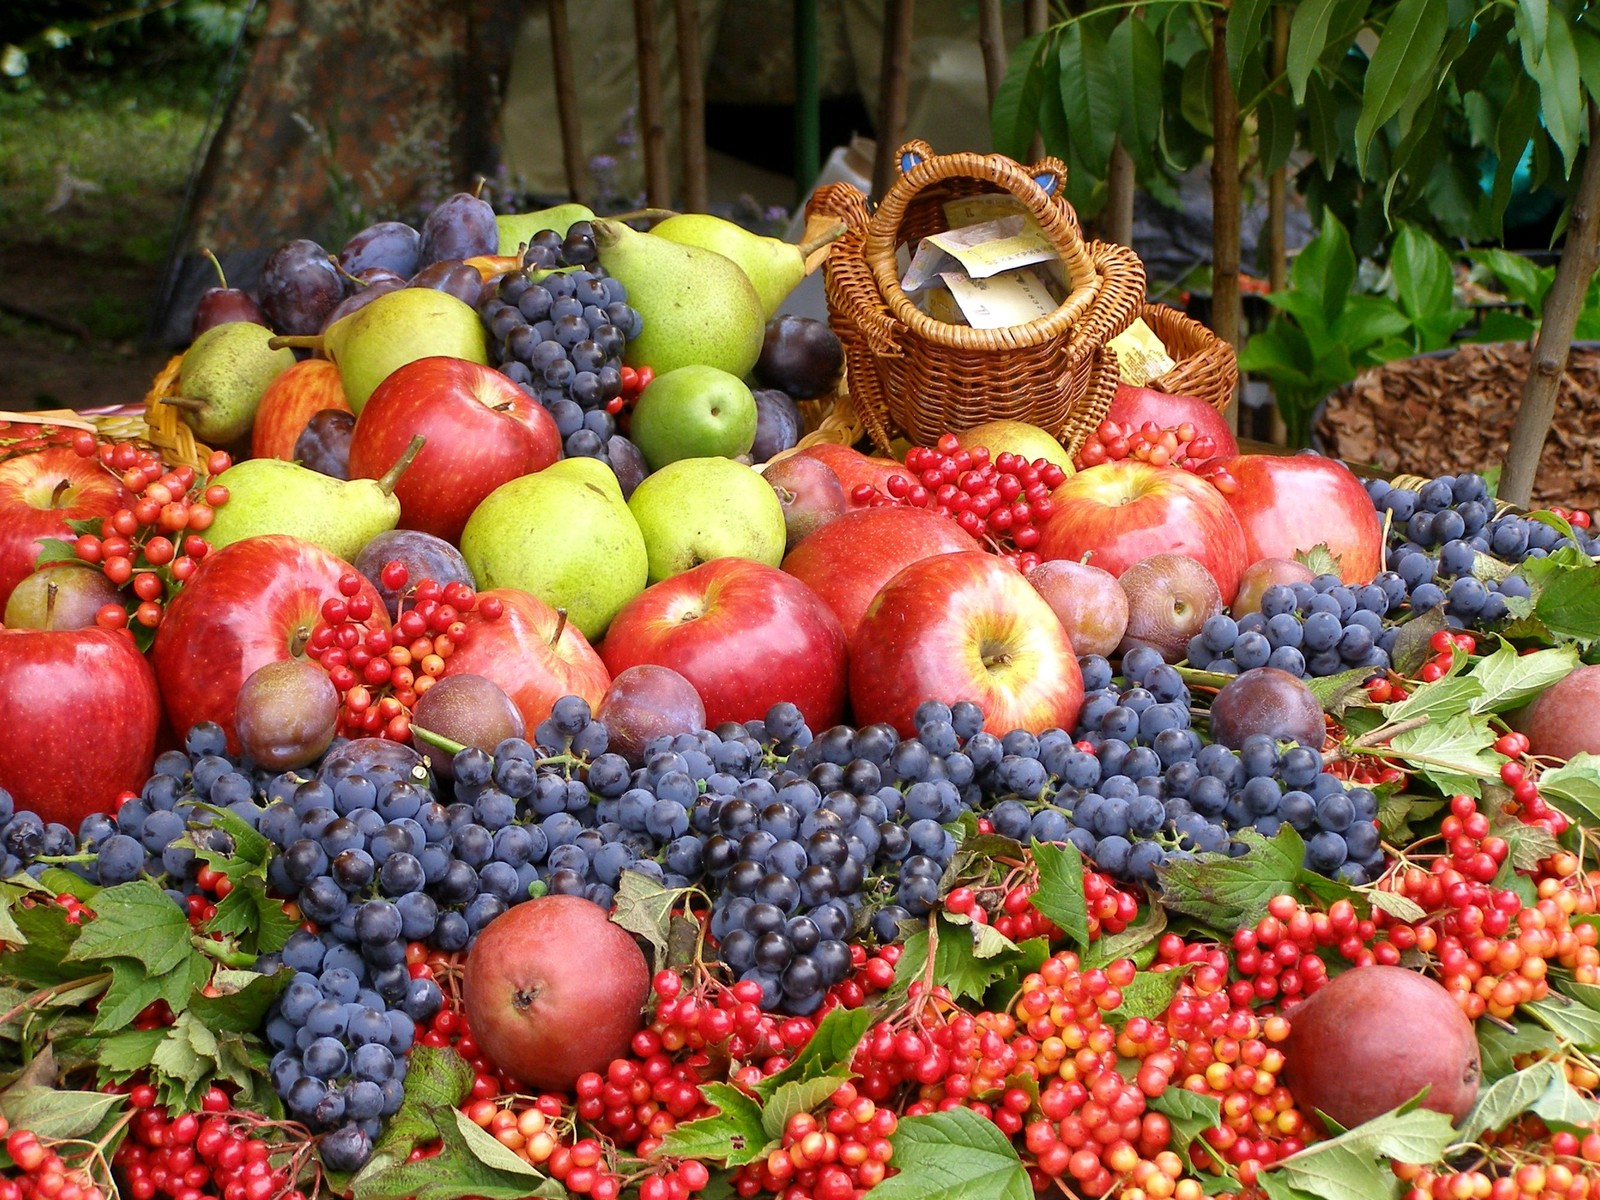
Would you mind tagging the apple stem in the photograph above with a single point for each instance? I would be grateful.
(392, 476)
(829, 235)
(60, 490)
(217, 264)
(436, 740)
(650, 214)
(298, 640)
(296, 341)
(561, 626)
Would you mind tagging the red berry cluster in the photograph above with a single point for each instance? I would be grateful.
(1002, 501)
(40, 1173)
(838, 1156)
(636, 1102)
(1444, 645)
(724, 1017)
(634, 381)
(151, 547)
(1576, 517)
(1009, 906)
(1175, 447)
(380, 670)
(215, 1154)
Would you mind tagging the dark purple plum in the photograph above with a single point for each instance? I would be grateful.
(461, 227)
(324, 444)
(778, 426)
(802, 356)
(299, 287)
(424, 555)
(392, 245)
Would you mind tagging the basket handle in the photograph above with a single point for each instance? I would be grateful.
(1053, 214)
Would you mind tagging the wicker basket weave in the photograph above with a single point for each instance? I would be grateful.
(913, 374)
(165, 431)
(1206, 365)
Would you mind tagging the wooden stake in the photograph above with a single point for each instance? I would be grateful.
(1035, 19)
(1121, 176)
(992, 41)
(652, 124)
(1580, 257)
(691, 106)
(1225, 218)
(893, 83)
(1278, 207)
(567, 102)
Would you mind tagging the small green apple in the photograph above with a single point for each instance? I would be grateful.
(565, 535)
(697, 509)
(693, 412)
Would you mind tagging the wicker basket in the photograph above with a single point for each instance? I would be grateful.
(913, 374)
(164, 430)
(1207, 366)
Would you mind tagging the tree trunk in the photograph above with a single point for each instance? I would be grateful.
(1278, 205)
(1121, 178)
(992, 41)
(1035, 19)
(1225, 220)
(652, 117)
(691, 106)
(567, 102)
(1580, 256)
(894, 80)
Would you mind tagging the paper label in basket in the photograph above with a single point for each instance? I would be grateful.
(1014, 298)
(979, 250)
(1141, 355)
(989, 206)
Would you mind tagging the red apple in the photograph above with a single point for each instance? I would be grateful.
(482, 430)
(1120, 512)
(82, 711)
(291, 400)
(252, 602)
(39, 493)
(964, 626)
(849, 559)
(1089, 602)
(1289, 503)
(522, 652)
(1136, 405)
(747, 635)
(854, 468)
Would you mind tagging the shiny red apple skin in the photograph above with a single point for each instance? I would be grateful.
(964, 626)
(82, 714)
(1136, 405)
(519, 651)
(854, 468)
(482, 430)
(1289, 503)
(1121, 512)
(252, 602)
(746, 635)
(31, 509)
(291, 400)
(851, 557)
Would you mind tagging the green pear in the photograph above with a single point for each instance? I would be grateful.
(222, 377)
(563, 534)
(697, 305)
(693, 412)
(271, 495)
(517, 229)
(697, 509)
(397, 328)
(773, 266)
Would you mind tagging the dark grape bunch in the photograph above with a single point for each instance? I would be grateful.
(558, 327)
(1312, 629)
(1437, 532)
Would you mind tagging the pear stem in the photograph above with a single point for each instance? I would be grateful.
(217, 264)
(186, 403)
(51, 591)
(561, 627)
(392, 475)
(296, 341)
(811, 245)
(436, 740)
(644, 214)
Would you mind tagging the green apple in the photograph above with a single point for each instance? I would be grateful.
(693, 412)
(565, 535)
(697, 509)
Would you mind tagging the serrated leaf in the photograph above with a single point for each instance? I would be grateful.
(465, 1167)
(255, 918)
(42, 958)
(1355, 1164)
(1574, 787)
(799, 1096)
(644, 907)
(1568, 1020)
(1060, 893)
(954, 1155)
(1147, 995)
(1450, 696)
(831, 1047)
(1540, 1088)
(1411, 647)
(243, 1000)
(129, 993)
(1510, 679)
(1393, 904)
(54, 1113)
(1190, 1114)
(124, 1053)
(1319, 560)
(1456, 754)
(734, 1136)
(135, 920)
(1527, 845)
(59, 879)
(1568, 602)
(437, 1080)
(1133, 942)
(10, 932)
(251, 849)
(987, 941)
(1335, 692)
(1497, 1046)
(1226, 893)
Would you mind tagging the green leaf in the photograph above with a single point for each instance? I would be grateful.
(1147, 995)
(243, 1000)
(1131, 942)
(1498, 1046)
(733, 1136)
(472, 1163)
(798, 1096)
(10, 932)
(1336, 692)
(1325, 270)
(1574, 787)
(251, 849)
(1533, 27)
(1587, 43)
(644, 907)
(1060, 895)
(41, 959)
(1244, 35)
(1555, 71)
(831, 1048)
(1194, 94)
(1425, 281)
(131, 991)
(1226, 893)
(1568, 601)
(1568, 1020)
(1403, 60)
(1456, 754)
(437, 1080)
(1274, 131)
(967, 958)
(1089, 93)
(253, 917)
(1368, 321)
(1133, 53)
(954, 1155)
(125, 1053)
(1308, 38)
(1322, 125)
(1541, 1088)
(135, 920)
(53, 1113)
(1451, 696)
(1355, 1164)
(1013, 116)
(1411, 647)
(1511, 679)
(1190, 1114)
